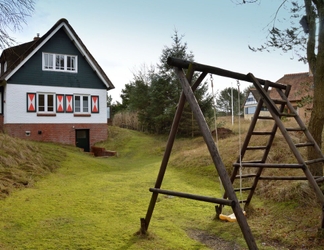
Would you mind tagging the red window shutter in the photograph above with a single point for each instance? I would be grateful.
(69, 103)
(59, 103)
(31, 102)
(94, 104)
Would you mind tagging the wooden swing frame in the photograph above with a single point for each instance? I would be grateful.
(229, 198)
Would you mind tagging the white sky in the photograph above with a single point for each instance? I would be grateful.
(124, 35)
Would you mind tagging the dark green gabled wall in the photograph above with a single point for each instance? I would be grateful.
(31, 72)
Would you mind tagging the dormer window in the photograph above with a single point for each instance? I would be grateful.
(60, 62)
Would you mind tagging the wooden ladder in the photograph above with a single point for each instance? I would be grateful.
(278, 109)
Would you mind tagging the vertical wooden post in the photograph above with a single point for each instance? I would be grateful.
(216, 159)
(145, 222)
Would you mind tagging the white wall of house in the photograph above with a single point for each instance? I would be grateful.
(250, 106)
(15, 106)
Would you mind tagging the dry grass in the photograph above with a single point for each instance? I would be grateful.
(193, 156)
(283, 213)
(23, 162)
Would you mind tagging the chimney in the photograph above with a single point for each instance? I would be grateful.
(36, 37)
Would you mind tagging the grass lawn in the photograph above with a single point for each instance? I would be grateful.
(97, 203)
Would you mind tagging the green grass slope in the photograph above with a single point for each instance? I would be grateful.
(97, 203)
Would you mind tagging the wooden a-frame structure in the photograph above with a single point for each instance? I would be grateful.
(230, 198)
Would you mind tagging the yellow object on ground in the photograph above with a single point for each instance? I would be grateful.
(230, 218)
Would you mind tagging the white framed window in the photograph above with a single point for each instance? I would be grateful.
(82, 104)
(46, 103)
(60, 62)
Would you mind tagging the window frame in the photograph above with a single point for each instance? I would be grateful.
(81, 104)
(46, 105)
(57, 65)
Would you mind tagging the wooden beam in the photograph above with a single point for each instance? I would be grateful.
(219, 165)
(176, 120)
(194, 196)
(179, 63)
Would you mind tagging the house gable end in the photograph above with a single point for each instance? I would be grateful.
(32, 71)
(36, 45)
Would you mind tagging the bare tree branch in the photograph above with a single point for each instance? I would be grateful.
(13, 14)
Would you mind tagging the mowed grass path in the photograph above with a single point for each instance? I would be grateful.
(97, 203)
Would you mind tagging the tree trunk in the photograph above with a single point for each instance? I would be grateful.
(317, 117)
(316, 63)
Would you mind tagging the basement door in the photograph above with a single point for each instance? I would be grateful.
(82, 139)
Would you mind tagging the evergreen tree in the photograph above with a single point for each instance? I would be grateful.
(188, 125)
(155, 95)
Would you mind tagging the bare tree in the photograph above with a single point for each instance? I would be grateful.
(303, 34)
(13, 14)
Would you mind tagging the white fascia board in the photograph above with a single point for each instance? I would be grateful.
(32, 53)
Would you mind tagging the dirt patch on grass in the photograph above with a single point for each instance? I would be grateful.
(212, 241)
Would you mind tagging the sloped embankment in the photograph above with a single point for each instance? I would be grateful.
(23, 162)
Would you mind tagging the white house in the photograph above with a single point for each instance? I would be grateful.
(251, 103)
(52, 89)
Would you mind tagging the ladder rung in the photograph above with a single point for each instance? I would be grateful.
(268, 165)
(256, 147)
(319, 179)
(304, 144)
(314, 161)
(245, 176)
(297, 178)
(295, 129)
(253, 161)
(265, 117)
(261, 133)
(279, 101)
(287, 114)
(242, 189)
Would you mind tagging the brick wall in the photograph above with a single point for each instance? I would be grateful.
(61, 133)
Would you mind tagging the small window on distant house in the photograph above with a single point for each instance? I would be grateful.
(45, 103)
(5, 67)
(60, 62)
(250, 110)
(82, 104)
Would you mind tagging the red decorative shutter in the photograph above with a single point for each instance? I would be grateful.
(69, 103)
(94, 104)
(31, 102)
(59, 103)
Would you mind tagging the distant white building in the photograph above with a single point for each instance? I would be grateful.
(251, 103)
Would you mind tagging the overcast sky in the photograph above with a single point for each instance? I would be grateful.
(124, 35)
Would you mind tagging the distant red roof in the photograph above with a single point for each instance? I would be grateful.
(301, 85)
